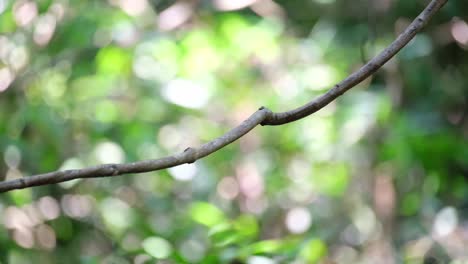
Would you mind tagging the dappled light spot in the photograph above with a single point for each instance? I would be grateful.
(3, 5)
(18, 58)
(131, 242)
(77, 206)
(13, 173)
(260, 260)
(317, 141)
(229, 5)
(44, 29)
(48, 207)
(16, 218)
(109, 152)
(6, 77)
(192, 250)
(459, 32)
(156, 60)
(142, 259)
(184, 172)
(352, 236)
(107, 111)
(228, 188)
(24, 237)
(250, 181)
(445, 222)
(420, 46)
(255, 205)
(186, 93)
(124, 33)
(163, 224)
(117, 214)
(24, 12)
(356, 128)
(169, 137)
(131, 7)
(365, 221)
(174, 16)
(6, 46)
(267, 8)
(417, 249)
(202, 57)
(46, 237)
(102, 37)
(12, 156)
(145, 67)
(298, 220)
(319, 77)
(157, 247)
(58, 10)
(71, 164)
(146, 184)
(302, 192)
(50, 86)
(301, 189)
(345, 254)
(33, 214)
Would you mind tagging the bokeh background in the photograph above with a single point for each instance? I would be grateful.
(378, 176)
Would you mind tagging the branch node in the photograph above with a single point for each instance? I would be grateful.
(192, 155)
(268, 116)
(23, 182)
(115, 170)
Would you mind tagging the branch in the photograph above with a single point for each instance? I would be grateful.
(360, 75)
(263, 116)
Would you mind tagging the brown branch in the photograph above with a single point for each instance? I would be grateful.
(360, 75)
(263, 116)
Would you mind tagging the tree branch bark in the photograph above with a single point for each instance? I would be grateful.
(263, 116)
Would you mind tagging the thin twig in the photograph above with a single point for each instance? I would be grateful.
(263, 116)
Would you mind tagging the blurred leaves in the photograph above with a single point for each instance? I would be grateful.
(378, 174)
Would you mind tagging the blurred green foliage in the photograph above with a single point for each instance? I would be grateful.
(379, 176)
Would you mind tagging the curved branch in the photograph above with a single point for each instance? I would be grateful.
(263, 116)
(360, 75)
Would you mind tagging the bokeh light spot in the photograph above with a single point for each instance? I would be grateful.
(184, 172)
(298, 220)
(157, 247)
(445, 221)
(186, 93)
(109, 152)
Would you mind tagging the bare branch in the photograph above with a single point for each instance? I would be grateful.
(263, 116)
(360, 75)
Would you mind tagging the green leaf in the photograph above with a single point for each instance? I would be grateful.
(313, 251)
(113, 60)
(206, 214)
(246, 226)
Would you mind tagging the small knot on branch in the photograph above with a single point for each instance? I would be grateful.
(191, 155)
(114, 169)
(268, 116)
